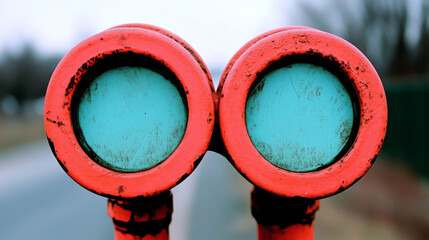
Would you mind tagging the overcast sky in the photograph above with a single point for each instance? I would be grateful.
(216, 29)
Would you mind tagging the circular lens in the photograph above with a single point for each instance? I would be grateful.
(299, 117)
(130, 119)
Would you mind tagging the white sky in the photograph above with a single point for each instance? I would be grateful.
(216, 29)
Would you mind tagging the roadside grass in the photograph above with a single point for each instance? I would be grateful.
(19, 130)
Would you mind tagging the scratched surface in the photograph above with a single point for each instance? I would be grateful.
(299, 117)
(132, 118)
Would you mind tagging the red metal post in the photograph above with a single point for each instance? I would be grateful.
(146, 218)
(283, 218)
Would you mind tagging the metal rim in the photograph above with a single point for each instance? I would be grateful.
(371, 103)
(247, 46)
(59, 128)
(175, 38)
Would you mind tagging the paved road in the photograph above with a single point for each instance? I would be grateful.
(39, 201)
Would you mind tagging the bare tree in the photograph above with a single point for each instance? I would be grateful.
(380, 29)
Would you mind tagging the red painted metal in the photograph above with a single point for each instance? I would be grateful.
(372, 106)
(294, 232)
(142, 219)
(178, 40)
(244, 48)
(283, 218)
(217, 144)
(283, 202)
(162, 46)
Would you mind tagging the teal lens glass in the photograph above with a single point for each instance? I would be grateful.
(299, 117)
(131, 119)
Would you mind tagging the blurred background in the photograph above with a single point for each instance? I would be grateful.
(39, 201)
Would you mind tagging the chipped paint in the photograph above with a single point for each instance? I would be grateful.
(283, 218)
(145, 218)
(140, 48)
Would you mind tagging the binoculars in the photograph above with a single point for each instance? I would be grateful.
(131, 111)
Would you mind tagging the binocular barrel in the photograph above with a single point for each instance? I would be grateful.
(302, 113)
(131, 111)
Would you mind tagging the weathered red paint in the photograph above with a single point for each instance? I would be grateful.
(242, 72)
(294, 232)
(217, 144)
(283, 218)
(244, 48)
(175, 38)
(162, 46)
(281, 200)
(143, 219)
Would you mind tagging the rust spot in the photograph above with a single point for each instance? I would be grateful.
(197, 162)
(79, 74)
(59, 123)
(121, 189)
(302, 38)
(51, 145)
(372, 160)
(270, 210)
(63, 166)
(184, 176)
(142, 229)
(66, 104)
(210, 118)
(84, 66)
(70, 86)
(368, 119)
(144, 206)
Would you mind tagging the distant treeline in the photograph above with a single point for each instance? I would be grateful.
(393, 34)
(25, 75)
